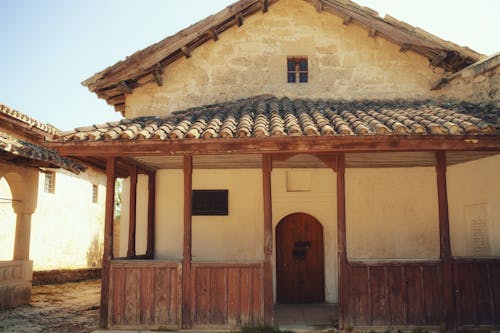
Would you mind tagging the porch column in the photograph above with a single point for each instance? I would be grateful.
(108, 240)
(150, 249)
(22, 237)
(267, 166)
(444, 242)
(132, 212)
(343, 277)
(186, 262)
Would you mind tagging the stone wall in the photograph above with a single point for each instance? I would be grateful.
(344, 63)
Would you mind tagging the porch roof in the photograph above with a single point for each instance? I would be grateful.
(14, 150)
(269, 116)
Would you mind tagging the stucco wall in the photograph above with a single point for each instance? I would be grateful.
(474, 201)
(343, 63)
(66, 222)
(392, 213)
(480, 88)
(7, 222)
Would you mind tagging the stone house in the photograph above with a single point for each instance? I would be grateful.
(299, 151)
(42, 195)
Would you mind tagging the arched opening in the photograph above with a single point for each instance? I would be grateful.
(300, 264)
(7, 221)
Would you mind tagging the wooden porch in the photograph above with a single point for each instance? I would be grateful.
(138, 293)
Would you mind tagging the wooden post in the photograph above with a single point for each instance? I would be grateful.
(448, 285)
(132, 209)
(343, 277)
(267, 166)
(186, 262)
(150, 249)
(108, 240)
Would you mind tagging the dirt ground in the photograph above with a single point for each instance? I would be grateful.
(57, 308)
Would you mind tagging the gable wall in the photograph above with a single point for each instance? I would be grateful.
(344, 63)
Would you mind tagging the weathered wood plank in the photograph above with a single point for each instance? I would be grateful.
(345, 304)
(201, 295)
(432, 295)
(147, 296)
(397, 292)
(233, 290)
(246, 295)
(414, 295)
(187, 238)
(218, 296)
(162, 295)
(150, 246)
(257, 296)
(118, 295)
(359, 295)
(132, 296)
(378, 295)
(267, 166)
(132, 212)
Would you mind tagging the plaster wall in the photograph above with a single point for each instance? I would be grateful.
(475, 88)
(67, 225)
(344, 63)
(392, 213)
(474, 202)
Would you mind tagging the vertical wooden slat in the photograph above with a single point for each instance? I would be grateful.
(257, 308)
(147, 304)
(218, 296)
(447, 283)
(118, 295)
(233, 290)
(268, 239)
(132, 211)
(495, 290)
(201, 295)
(396, 291)
(150, 247)
(432, 295)
(378, 295)
(343, 278)
(162, 295)
(108, 241)
(132, 296)
(246, 295)
(360, 296)
(483, 310)
(186, 262)
(415, 311)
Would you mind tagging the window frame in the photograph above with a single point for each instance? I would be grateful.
(49, 183)
(197, 208)
(95, 193)
(297, 71)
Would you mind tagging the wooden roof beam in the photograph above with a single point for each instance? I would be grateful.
(141, 167)
(215, 34)
(239, 19)
(347, 20)
(372, 33)
(157, 75)
(185, 50)
(125, 87)
(405, 48)
(439, 58)
(318, 4)
(265, 5)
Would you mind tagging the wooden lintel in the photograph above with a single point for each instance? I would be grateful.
(307, 145)
(141, 167)
(185, 50)
(215, 34)
(119, 99)
(372, 32)
(105, 319)
(439, 58)
(132, 212)
(125, 87)
(150, 244)
(239, 19)
(265, 5)
(318, 4)
(405, 48)
(187, 238)
(347, 20)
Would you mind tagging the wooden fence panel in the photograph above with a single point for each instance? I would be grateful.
(144, 294)
(227, 294)
(397, 293)
(477, 292)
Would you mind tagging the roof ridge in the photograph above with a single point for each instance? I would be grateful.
(30, 121)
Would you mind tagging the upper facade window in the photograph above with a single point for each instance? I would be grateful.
(95, 193)
(297, 69)
(49, 185)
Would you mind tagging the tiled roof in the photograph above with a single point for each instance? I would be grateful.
(31, 122)
(265, 116)
(16, 150)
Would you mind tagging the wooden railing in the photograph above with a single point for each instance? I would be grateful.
(227, 294)
(477, 290)
(144, 293)
(394, 293)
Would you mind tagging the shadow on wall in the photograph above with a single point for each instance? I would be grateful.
(95, 251)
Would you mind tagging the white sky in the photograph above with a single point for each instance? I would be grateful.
(48, 47)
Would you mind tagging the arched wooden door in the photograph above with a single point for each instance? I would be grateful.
(300, 273)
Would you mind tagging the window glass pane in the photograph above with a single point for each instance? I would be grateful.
(291, 65)
(303, 65)
(303, 77)
(291, 77)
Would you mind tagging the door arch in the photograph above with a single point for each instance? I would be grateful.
(300, 263)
